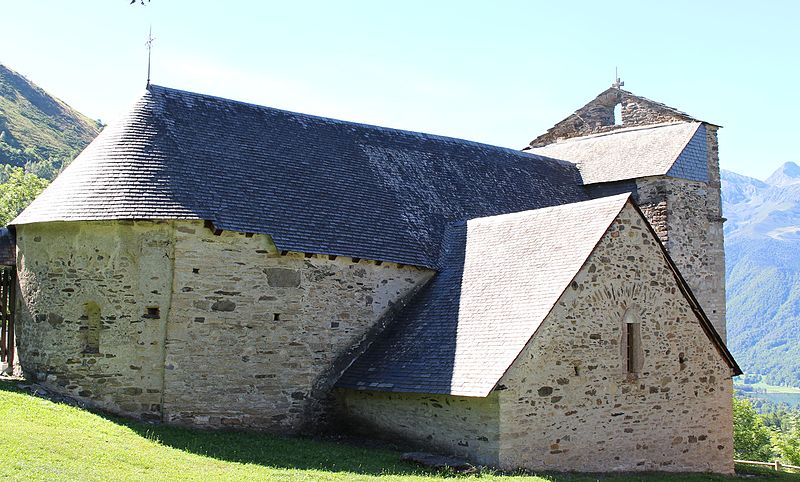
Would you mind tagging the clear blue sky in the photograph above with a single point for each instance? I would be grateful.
(500, 72)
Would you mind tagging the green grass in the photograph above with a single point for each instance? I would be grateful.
(42, 440)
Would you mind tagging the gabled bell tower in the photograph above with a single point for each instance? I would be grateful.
(669, 161)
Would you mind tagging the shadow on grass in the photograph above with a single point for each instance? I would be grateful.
(299, 453)
(282, 452)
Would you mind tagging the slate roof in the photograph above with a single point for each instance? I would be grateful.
(501, 277)
(315, 184)
(677, 150)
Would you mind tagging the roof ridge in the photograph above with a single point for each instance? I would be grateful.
(333, 120)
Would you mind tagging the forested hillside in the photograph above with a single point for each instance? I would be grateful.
(762, 244)
(37, 131)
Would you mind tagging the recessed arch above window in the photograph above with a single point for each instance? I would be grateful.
(632, 341)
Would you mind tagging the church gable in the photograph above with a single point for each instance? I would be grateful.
(500, 279)
(622, 374)
(599, 116)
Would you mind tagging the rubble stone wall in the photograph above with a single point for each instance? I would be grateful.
(571, 402)
(462, 426)
(195, 328)
(122, 268)
(254, 335)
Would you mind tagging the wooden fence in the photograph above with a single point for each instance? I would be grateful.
(7, 283)
(775, 465)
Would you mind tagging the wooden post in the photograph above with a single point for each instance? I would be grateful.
(12, 290)
(777, 465)
(3, 319)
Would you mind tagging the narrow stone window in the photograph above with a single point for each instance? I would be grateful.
(632, 342)
(276, 317)
(91, 330)
(153, 313)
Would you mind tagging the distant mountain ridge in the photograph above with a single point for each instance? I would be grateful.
(38, 131)
(762, 245)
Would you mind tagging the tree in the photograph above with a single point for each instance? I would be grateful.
(751, 438)
(19, 190)
(787, 442)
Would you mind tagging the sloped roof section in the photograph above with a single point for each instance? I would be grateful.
(677, 150)
(315, 184)
(501, 276)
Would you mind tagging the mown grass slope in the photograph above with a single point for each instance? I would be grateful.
(42, 440)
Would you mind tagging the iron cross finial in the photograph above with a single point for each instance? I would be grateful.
(617, 83)
(149, 45)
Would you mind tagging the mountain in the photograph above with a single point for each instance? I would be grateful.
(38, 131)
(786, 175)
(762, 255)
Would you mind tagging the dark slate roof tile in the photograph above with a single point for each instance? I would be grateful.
(314, 184)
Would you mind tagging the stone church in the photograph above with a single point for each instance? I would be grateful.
(218, 264)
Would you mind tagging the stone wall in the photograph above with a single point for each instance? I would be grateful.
(569, 401)
(687, 216)
(598, 116)
(217, 331)
(123, 268)
(253, 333)
(462, 426)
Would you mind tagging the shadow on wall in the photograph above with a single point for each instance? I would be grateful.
(416, 354)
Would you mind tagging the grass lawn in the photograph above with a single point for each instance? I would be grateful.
(42, 440)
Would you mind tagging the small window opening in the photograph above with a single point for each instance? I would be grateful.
(633, 342)
(618, 114)
(91, 341)
(276, 317)
(152, 312)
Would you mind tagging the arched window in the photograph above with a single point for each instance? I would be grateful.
(632, 340)
(618, 114)
(91, 328)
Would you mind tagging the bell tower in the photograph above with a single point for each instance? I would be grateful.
(669, 161)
